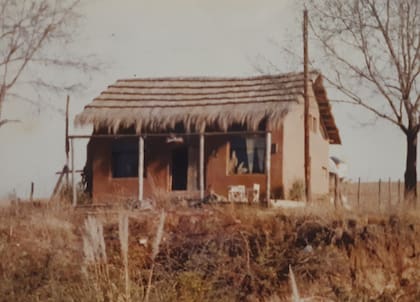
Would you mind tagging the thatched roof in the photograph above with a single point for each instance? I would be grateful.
(325, 111)
(158, 104)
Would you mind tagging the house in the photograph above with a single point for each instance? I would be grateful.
(191, 136)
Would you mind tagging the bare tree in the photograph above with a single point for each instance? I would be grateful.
(373, 47)
(28, 31)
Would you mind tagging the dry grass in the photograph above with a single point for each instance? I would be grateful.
(374, 198)
(123, 236)
(216, 253)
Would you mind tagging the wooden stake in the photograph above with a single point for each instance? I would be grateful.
(358, 192)
(336, 190)
(73, 178)
(201, 166)
(141, 168)
(58, 183)
(268, 165)
(389, 191)
(379, 192)
(306, 108)
(399, 190)
(31, 196)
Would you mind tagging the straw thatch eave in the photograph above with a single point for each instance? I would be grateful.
(159, 104)
(193, 118)
(325, 111)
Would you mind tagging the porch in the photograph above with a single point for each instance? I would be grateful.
(195, 164)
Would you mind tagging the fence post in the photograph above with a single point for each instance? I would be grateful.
(399, 190)
(31, 196)
(358, 193)
(336, 192)
(73, 177)
(389, 191)
(379, 193)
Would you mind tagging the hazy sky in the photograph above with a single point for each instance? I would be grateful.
(146, 38)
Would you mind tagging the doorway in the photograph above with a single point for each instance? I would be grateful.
(180, 169)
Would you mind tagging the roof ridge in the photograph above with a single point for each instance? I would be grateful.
(313, 72)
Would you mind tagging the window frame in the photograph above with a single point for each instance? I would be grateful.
(129, 147)
(244, 156)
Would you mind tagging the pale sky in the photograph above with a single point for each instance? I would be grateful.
(145, 38)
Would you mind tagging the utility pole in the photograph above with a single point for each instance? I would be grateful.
(67, 145)
(306, 108)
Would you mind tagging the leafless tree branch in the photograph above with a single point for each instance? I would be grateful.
(27, 30)
(373, 47)
(6, 121)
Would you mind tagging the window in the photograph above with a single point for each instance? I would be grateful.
(312, 123)
(125, 158)
(315, 124)
(246, 155)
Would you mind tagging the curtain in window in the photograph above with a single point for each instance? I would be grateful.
(247, 154)
(250, 148)
(260, 149)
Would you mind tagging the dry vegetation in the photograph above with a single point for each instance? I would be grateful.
(213, 253)
(375, 196)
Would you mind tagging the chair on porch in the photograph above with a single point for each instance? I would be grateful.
(254, 193)
(237, 193)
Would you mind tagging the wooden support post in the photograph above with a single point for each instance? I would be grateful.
(379, 192)
(389, 191)
(31, 195)
(336, 193)
(67, 147)
(308, 192)
(399, 190)
(358, 192)
(58, 183)
(73, 178)
(141, 168)
(201, 166)
(268, 166)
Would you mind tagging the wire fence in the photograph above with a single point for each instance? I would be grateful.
(380, 193)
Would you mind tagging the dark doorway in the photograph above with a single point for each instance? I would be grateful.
(180, 169)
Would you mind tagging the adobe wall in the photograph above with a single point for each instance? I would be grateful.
(319, 153)
(105, 188)
(217, 178)
(293, 149)
(157, 178)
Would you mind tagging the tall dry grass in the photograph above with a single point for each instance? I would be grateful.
(216, 253)
(293, 285)
(123, 236)
(155, 251)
